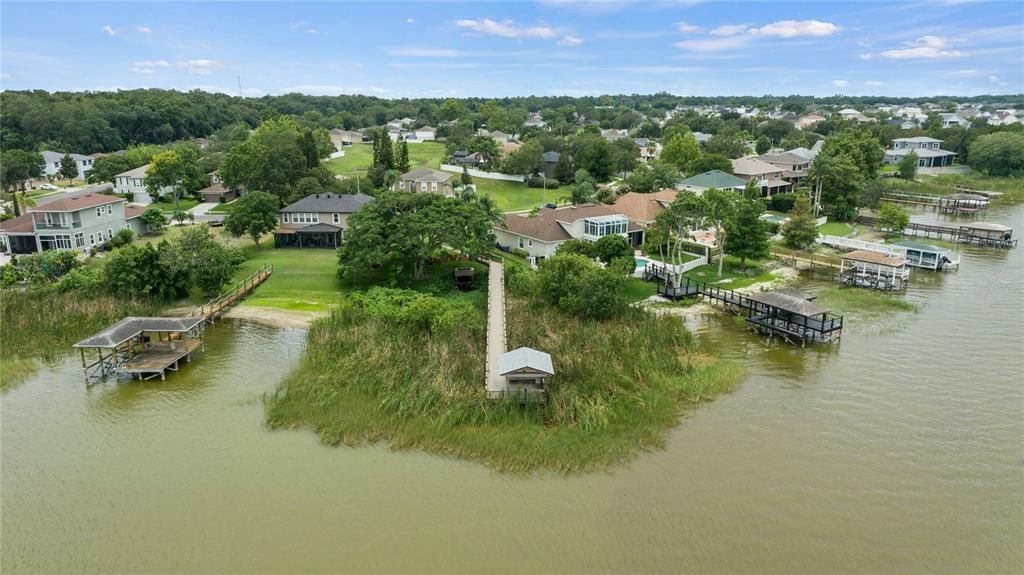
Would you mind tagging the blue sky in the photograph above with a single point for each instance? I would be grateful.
(552, 47)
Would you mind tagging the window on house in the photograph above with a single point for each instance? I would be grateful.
(110, 209)
(520, 243)
(605, 225)
(401, 185)
(336, 218)
(110, 234)
(99, 212)
(284, 218)
(92, 239)
(433, 186)
(79, 240)
(423, 186)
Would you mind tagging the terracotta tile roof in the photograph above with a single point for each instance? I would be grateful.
(644, 207)
(77, 203)
(19, 225)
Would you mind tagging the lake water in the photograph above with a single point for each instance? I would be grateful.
(900, 450)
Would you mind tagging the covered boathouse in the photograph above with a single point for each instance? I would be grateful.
(143, 347)
(986, 234)
(928, 256)
(793, 316)
(865, 268)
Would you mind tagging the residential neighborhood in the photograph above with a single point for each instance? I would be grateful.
(547, 286)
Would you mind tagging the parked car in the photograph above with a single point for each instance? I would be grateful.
(48, 187)
(216, 223)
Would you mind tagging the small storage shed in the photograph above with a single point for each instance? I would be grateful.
(526, 370)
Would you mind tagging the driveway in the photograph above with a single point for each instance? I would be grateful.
(201, 215)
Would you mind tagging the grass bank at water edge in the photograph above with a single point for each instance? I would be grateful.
(620, 386)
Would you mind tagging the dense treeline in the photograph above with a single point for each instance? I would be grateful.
(88, 122)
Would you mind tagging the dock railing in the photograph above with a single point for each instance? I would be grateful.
(216, 306)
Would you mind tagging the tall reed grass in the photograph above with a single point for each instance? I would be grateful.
(621, 385)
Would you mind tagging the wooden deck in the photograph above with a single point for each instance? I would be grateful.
(811, 259)
(159, 357)
(216, 307)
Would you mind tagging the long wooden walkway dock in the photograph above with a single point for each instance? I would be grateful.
(962, 203)
(785, 313)
(811, 259)
(496, 384)
(977, 233)
(216, 307)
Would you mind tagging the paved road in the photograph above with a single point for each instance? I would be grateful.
(495, 326)
(201, 212)
(98, 188)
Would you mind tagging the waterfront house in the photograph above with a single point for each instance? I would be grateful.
(929, 155)
(426, 180)
(641, 209)
(541, 235)
(767, 176)
(133, 182)
(794, 166)
(52, 164)
(317, 221)
(75, 223)
(711, 179)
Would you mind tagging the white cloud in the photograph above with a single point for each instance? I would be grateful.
(416, 52)
(840, 83)
(331, 90)
(865, 56)
(312, 31)
(732, 36)
(795, 28)
(200, 67)
(968, 73)
(505, 29)
(996, 80)
(109, 30)
(148, 66)
(873, 83)
(143, 29)
(570, 40)
(923, 47)
(687, 28)
(730, 30)
(409, 21)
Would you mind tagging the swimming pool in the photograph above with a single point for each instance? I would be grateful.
(640, 262)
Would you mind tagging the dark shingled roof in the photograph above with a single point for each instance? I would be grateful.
(130, 327)
(789, 303)
(318, 228)
(339, 203)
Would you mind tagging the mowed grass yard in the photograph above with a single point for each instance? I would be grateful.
(359, 157)
(303, 279)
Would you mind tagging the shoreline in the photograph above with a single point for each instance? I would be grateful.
(276, 317)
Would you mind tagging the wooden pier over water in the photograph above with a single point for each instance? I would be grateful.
(978, 233)
(962, 203)
(786, 313)
(149, 347)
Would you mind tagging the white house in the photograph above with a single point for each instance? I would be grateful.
(542, 234)
(134, 182)
(53, 159)
(950, 120)
(426, 133)
(929, 155)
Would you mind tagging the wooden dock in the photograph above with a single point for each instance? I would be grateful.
(216, 307)
(159, 358)
(961, 203)
(978, 233)
(784, 313)
(811, 259)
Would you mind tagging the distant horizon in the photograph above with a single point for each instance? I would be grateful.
(525, 96)
(395, 50)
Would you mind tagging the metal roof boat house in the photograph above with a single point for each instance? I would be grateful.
(143, 347)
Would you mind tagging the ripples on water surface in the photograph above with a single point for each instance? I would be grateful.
(899, 450)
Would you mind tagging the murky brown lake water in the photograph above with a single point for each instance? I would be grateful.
(900, 450)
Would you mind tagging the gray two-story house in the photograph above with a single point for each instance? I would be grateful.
(77, 223)
(317, 221)
(929, 155)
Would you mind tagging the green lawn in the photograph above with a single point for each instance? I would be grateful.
(841, 229)
(184, 204)
(638, 290)
(515, 196)
(303, 279)
(733, 276)
(359, 157)
(677, 259)
(220, 208)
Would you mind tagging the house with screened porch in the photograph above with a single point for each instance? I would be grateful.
(541, 235)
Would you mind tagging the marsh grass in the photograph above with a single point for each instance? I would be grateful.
(1011, 188)
(14, 370)
(621, 385)
(863, 302)
(44, 323)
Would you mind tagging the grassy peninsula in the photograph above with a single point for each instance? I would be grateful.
(622, 383)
